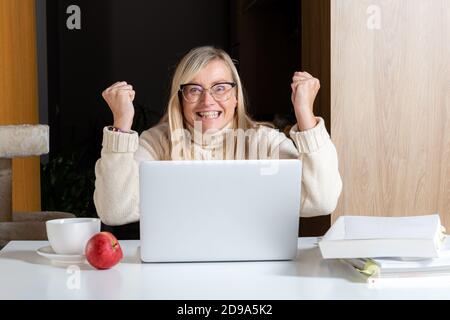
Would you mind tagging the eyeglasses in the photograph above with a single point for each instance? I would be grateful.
(220, 91)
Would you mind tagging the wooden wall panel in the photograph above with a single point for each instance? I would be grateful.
(390, 106)
(18, 92)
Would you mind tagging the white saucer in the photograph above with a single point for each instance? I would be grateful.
(48, 252)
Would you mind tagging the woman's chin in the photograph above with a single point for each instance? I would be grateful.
(210, 124)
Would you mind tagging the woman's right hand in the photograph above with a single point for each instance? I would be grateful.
(120, 98)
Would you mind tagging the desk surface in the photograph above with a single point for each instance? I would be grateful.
(26, 275)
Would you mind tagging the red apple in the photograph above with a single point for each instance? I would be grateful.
(103, 251)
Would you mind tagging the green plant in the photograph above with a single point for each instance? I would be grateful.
(68, 182)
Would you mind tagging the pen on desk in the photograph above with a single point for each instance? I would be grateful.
(364, 266)
(356, 263)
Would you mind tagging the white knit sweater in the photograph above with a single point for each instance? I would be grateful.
(116, 193)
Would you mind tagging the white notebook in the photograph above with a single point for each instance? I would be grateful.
(371, 237)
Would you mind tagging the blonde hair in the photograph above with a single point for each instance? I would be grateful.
(189, 66)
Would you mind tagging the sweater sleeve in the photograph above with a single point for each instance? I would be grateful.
(116, 195)
(321, 181)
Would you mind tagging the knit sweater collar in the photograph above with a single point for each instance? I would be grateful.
(211, 139)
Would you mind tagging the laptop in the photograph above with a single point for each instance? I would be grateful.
(228, 210)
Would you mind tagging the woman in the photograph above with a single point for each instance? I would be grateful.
(206, 119)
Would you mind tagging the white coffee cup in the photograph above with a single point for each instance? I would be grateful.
(69, 236)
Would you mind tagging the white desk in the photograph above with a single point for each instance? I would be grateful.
(26, 275)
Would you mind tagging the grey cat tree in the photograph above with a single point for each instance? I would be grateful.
(21, 141)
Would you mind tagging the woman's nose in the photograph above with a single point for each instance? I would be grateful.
(208, 98)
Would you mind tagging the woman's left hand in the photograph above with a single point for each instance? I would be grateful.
(304, 91)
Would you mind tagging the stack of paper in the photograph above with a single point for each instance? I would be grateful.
(399, 251)
(398, 271)
(370, 237)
